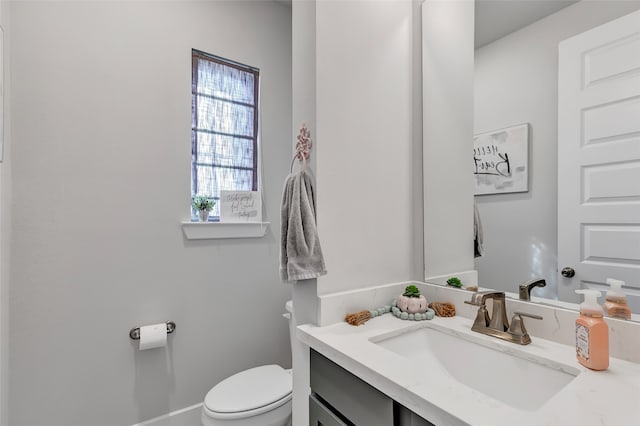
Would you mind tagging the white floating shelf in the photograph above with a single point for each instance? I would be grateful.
(215, 230)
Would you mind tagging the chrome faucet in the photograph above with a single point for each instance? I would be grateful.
(497, 324)
(525, 288)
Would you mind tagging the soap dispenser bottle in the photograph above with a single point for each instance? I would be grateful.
(592, 333)
(616, 303)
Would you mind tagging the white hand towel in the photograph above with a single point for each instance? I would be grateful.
(300, 252)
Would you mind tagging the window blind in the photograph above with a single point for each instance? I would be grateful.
(224, 140)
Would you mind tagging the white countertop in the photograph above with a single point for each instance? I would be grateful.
(610, 398)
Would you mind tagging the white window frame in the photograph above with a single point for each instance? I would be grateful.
(213, 228)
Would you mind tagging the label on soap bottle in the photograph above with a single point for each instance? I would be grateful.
(582, 341)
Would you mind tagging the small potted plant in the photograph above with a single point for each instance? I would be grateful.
(411, 301)
(203, 206)
(454, 282)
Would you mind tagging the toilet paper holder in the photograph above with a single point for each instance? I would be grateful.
(135, 332)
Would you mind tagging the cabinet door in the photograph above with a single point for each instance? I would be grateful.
(353, 398)
(406, 417)
(319, 415)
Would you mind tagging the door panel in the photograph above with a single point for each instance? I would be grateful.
(599, 158)
(611, 60)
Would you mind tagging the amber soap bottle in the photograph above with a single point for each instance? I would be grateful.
(616, 301)
(592, 333)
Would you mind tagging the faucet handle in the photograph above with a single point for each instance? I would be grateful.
(517, 323)
(479, 298)
(482, 316)
(524, 314)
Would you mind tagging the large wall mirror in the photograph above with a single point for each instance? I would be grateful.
(516, 82)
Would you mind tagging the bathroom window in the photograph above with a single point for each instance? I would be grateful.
(224, 127)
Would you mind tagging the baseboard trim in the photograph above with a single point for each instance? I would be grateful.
(189, 416)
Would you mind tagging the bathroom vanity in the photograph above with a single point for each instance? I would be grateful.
(440, 372)
(339, 398)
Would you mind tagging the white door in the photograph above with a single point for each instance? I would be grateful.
(599, 158)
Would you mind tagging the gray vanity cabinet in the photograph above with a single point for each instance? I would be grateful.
(338, 398)
(346, 396)
(406, 417)
(321, 415)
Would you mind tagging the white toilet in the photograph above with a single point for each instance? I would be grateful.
(260, 396)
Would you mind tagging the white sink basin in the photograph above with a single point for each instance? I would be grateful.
(514, 377)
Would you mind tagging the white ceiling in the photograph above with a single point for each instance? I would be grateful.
(497, 18)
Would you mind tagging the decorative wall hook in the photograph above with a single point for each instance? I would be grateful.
(303, 146)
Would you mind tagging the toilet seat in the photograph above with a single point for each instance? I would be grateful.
(249, 393)
(248, 413)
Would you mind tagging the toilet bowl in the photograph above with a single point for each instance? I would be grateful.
(259, 396)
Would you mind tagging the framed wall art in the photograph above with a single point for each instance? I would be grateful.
(501, 160)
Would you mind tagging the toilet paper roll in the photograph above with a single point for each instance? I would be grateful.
(153, 336)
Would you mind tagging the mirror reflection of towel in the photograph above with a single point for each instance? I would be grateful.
(478, 250)
(300, 253)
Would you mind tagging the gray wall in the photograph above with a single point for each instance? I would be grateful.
(364, 115)
(516, 81)
(5, 218)
(447, 61)
(101, 150)
(368, 178)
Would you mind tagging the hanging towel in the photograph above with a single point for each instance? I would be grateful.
(300, 252)
(478, 238)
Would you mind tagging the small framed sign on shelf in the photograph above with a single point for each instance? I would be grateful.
(240, 206)
(501, 160)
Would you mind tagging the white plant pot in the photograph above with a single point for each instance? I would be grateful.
(203, 215)
(412, 305)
